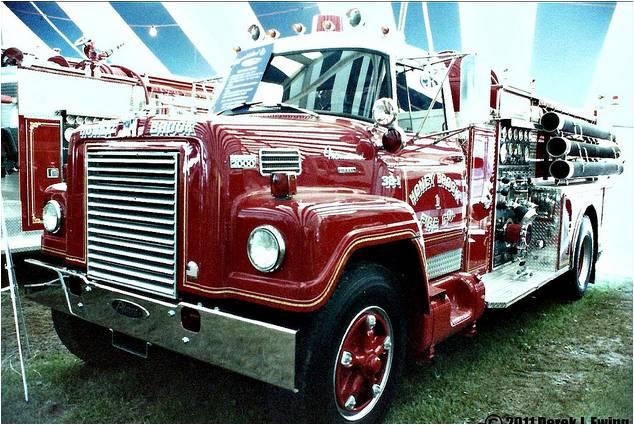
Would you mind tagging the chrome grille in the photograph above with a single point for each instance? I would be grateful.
(132, 212)
(276, 160)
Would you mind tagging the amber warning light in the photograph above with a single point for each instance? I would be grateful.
(283, 185)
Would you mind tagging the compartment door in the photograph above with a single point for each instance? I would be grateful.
(39, 166)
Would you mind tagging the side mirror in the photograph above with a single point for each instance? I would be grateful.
(384, 111)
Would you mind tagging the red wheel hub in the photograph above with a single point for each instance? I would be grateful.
(363, 362)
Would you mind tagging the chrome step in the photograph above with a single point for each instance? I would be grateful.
(505, 286)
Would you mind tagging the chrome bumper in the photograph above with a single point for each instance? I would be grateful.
(257, 349)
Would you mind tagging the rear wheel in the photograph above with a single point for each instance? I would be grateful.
(583, 260)
(89, 342)
(352, 352)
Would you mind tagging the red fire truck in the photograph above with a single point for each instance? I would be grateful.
(43, 101)
(353, 200)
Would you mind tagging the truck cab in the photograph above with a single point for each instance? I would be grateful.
(352, 200)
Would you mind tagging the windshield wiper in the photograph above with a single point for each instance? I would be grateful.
(295, 108)
(246, 105)
(243, 105)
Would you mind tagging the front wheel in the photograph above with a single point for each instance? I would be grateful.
(352, 353)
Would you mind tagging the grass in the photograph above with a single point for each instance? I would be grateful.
(541, 357)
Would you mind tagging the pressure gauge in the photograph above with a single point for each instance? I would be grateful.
(502, 133)
(514, 151)
(503, 153)
(516, 134)
(524, 153)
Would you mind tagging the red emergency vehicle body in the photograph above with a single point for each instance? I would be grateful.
(443, 216)
(44, 100)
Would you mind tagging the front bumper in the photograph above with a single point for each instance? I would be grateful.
(257, 349)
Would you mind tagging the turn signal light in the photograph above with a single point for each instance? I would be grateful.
(392, 140)
(283, 185)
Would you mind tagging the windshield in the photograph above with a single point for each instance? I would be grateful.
(335, 81)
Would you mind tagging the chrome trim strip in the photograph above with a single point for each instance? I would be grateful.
(250, 347)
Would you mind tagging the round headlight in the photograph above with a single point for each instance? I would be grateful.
(384, 111)
(52, 216)
(266, 248)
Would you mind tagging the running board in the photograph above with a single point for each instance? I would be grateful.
(504, 286)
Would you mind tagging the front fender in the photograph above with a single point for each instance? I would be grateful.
(321, 230)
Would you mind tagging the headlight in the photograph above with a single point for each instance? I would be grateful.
(384, 111)
(52, 216)
(266, 248)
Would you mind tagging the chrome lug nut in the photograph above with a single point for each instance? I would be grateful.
(346, 359)
(371, 321)
(376, 390)
(387, 344)
(351, 403)
(185, 340)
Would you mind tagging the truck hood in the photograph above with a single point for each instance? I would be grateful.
(248, 133)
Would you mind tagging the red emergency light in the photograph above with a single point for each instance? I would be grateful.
(327, 23)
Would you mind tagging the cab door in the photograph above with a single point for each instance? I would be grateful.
(433, 169)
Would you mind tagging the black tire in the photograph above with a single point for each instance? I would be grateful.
(583, 261)
(364, 290)
(90, 342)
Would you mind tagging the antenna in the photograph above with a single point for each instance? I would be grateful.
(430, 41)
(402, 16)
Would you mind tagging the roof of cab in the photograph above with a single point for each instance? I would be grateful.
(391, 45)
